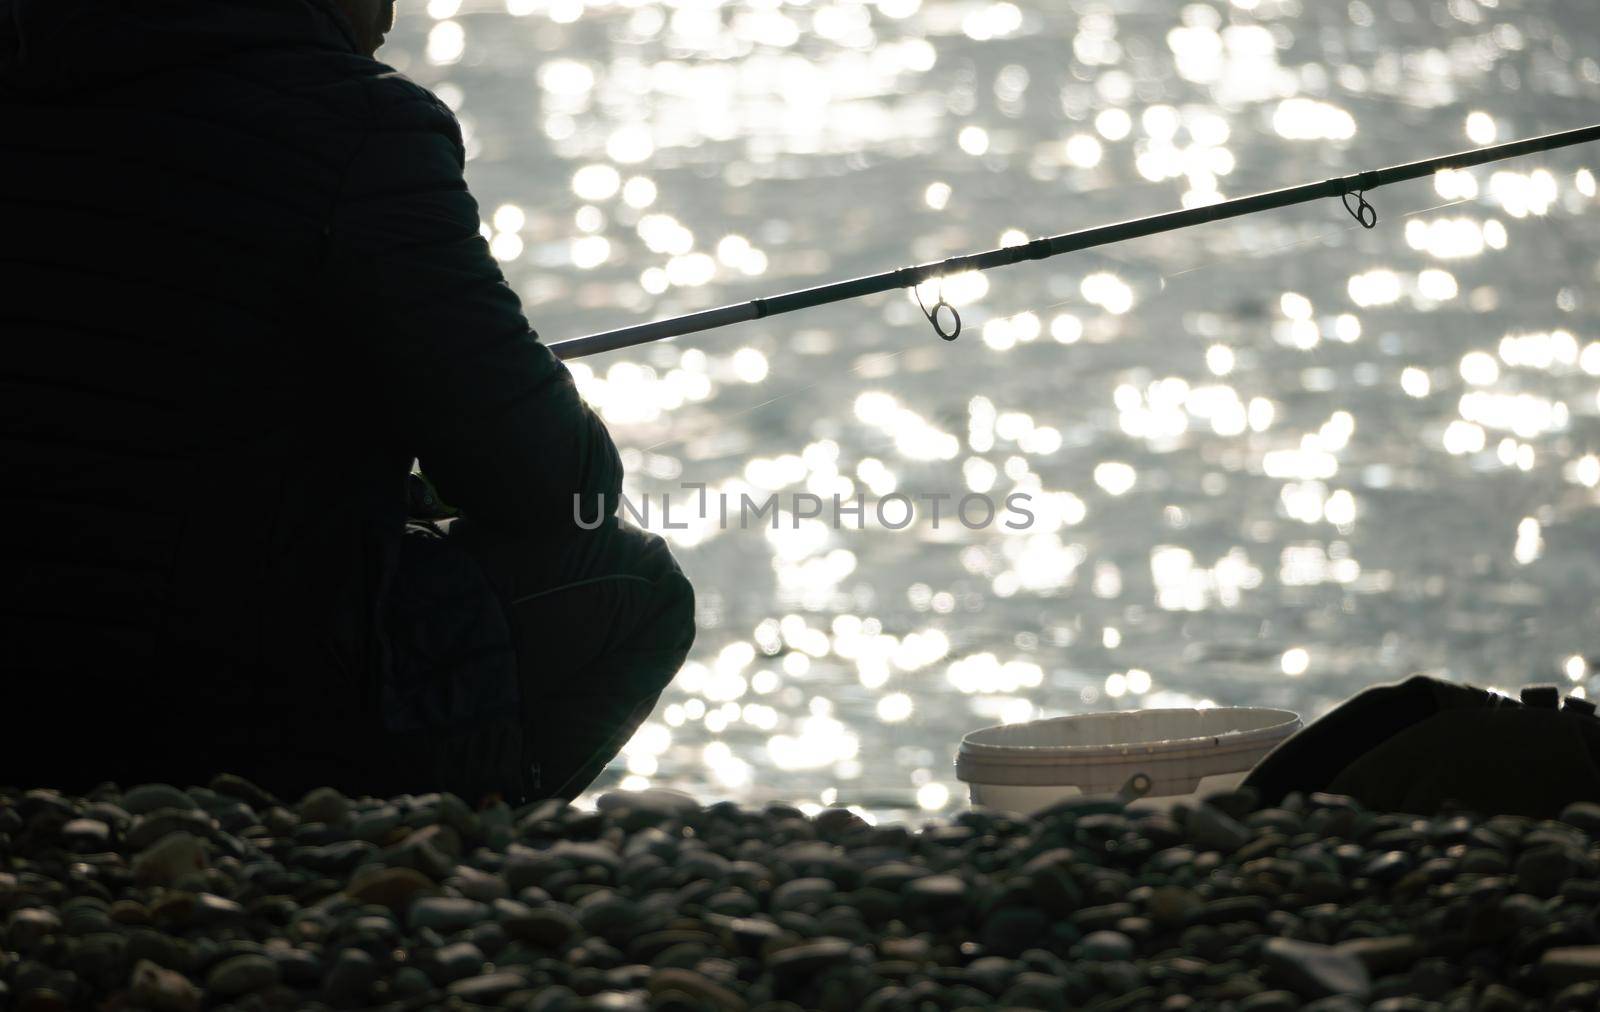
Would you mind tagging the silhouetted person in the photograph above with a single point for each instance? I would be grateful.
(243, 289)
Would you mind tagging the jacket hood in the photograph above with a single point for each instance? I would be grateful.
(63, 46)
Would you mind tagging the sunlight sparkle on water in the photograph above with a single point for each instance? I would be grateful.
(1455, 184)
(639, 192)
(933, 797)
(1479, 368)
(1108, 291)
(446, 42)
(1115, 477)
(596, 182)
(1306, 119)
(1481, 128)
(1295, 661)
(1445, 238)
(894, 707)
(1209, 431)
(1113, 124)
(1521, 195)
(506, 246)
(1530, 541)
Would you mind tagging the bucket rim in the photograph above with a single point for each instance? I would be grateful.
(1227, 741)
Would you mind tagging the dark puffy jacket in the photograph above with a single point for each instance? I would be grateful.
(243, 287)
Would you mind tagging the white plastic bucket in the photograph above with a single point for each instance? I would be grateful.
(1184, 752)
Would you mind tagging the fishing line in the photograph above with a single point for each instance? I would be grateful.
(874, 358)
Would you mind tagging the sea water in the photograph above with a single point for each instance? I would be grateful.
(1268, 461)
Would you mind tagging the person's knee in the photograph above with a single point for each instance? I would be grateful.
(671, 591)
(678, 593)
(626, 571)
(669, 622)
(648, 554)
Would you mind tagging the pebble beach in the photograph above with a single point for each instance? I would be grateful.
(225, 896)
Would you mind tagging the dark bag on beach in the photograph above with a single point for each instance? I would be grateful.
(1424, 745)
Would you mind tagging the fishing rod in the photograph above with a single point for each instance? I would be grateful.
(1343, 187)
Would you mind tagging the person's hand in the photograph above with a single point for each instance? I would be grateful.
(422, 499)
